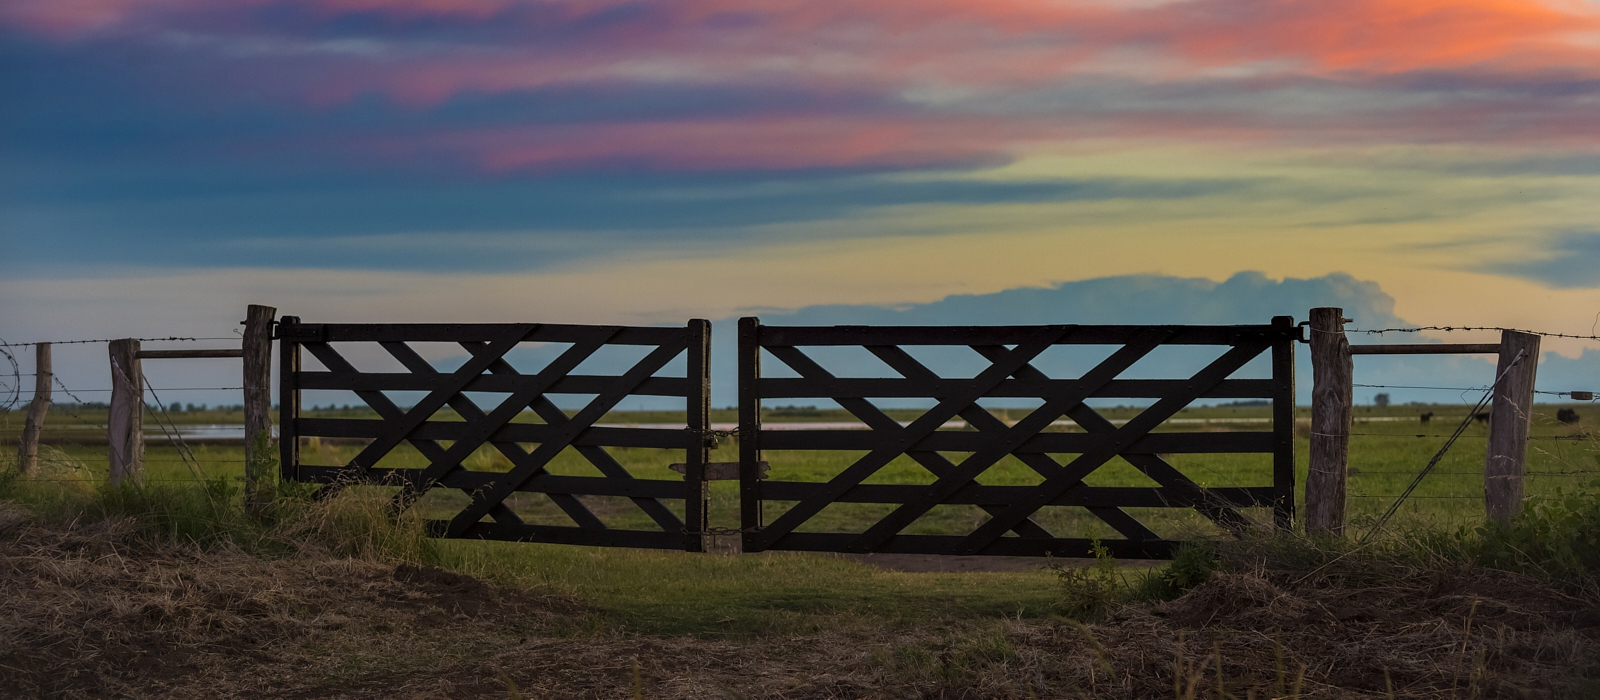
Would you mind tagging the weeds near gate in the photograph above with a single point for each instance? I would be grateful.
(1092, 591)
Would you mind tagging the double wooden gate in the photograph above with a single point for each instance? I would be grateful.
(1061, 441)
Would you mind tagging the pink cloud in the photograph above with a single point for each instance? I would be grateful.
(778, 143)
(973, 51)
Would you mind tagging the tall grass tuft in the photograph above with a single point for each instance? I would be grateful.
(357, 522)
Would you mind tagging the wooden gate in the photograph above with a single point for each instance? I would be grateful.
(526, 416)
(1008, 524)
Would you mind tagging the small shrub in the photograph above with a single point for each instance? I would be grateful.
(1192, 564)
(1091, 591)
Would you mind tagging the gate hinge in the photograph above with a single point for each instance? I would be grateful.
(292, 330)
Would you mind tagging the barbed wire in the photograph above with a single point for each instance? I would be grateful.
(13, 389)
(99, 481)
(1411, 497)
(1461, 388)
(1419, 329)
(1536, 472)
(1442, 450)
(173, 338)
(1556, 438)
(170, 388)
(176, 436)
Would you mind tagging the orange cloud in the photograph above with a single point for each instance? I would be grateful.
(1008, 39)
(948, 73)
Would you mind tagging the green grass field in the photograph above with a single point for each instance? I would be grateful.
(1385, 456)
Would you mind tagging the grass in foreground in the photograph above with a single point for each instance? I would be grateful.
(170, 591)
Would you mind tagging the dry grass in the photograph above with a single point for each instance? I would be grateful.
(97, 610)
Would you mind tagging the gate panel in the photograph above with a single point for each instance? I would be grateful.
(1010, 528)
(506, 426)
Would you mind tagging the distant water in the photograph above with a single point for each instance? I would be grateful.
(235, 431)
(219, 431)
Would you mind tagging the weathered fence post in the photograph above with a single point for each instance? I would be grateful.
(125, 421)
(258, 448)
(28, 451)
(1331, 396)
(1509, 419)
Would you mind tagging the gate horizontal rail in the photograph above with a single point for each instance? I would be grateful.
(1011, 352)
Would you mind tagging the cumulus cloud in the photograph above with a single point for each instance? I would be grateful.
(1570, 259)
(1245, 298)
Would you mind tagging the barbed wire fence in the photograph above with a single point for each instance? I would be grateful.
(1564, 456)
(1570, 459)
(75, 450)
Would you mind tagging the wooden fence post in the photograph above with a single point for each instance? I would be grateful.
(697, 488)
(1331, 397)
(258, 447)
(1509, 419)
(125, 423)
(28, 451)
(750, 516)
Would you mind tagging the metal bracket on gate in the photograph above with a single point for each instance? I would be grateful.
(292, 330)
(722, 471)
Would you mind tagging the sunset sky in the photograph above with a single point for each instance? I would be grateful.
(164, 162)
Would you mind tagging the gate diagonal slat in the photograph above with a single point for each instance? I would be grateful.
(976, 416)
(505, 485)
(1153, 466)
(1150, 465)
(512, 405)
(1123, 523)
(984, 421)
(596, 455)
(980, 461)
(387, 410)
(1037, 342)
(435, 400)
(876, 419)
(470, 411)
(1086, 462)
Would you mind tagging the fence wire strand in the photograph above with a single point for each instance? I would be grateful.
(173, 338)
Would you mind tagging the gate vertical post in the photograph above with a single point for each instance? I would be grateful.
(257, 346)
(28, 448)
(125, 421)
(749, 431)
(1331, 398)
(1509, 418)
(288, 403)
(1283, 423)
(698, 493)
